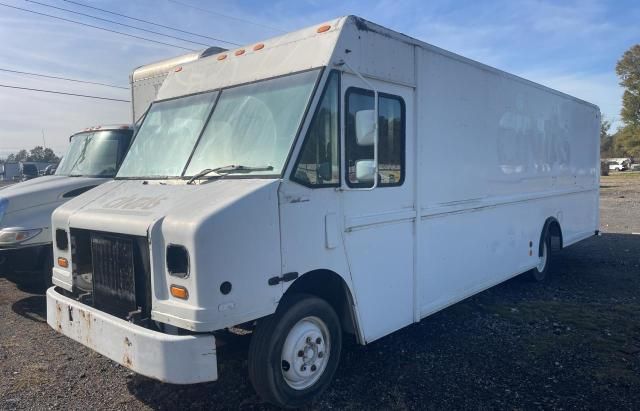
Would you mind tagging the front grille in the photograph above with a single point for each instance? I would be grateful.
(114, 281)
(112, 273)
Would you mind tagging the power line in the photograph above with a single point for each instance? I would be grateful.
(115, 22)
(149, 22)
(215, 13)
(63, 78)
(66, 94)
(97, 27)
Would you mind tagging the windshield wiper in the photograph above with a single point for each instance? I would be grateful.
(224, 170)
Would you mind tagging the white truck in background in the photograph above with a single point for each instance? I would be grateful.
(300, 188)
(146, 80)
(93, 157)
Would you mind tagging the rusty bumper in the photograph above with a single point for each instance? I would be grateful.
(183, 359)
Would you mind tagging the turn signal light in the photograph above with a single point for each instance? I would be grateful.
(179, 292)
(63, 262)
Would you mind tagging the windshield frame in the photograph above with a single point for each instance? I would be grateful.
(124, 149)
(220, 90)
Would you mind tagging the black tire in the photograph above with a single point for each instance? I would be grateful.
(266, 365)
(44, 274)
(537, 274)
(6, 268)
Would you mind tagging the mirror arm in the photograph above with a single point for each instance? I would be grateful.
(375, 124)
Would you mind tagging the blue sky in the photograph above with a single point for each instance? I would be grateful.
(571, 46)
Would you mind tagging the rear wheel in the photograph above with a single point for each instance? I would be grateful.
(541, 271)
(295, 352)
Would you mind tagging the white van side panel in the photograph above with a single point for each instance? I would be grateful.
(498, 137)
(496, 155)
(499, 155)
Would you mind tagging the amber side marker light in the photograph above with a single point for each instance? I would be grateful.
(222, 57)
(179, 292)
(63, 262)
(324, 28)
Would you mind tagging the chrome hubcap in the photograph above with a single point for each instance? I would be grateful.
(542, 262)
(305, 353)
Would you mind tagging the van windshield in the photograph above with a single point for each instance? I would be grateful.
(95, 153)
(252, 126)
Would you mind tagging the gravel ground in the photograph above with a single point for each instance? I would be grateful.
(573, 342)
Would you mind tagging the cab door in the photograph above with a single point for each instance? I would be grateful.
(379, 222)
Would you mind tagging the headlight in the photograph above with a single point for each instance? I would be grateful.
(13, 236)
(4, 204)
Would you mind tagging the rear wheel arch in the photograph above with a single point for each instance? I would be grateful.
(551, 228)
(331, 287)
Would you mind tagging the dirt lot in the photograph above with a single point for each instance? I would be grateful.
(573, 342)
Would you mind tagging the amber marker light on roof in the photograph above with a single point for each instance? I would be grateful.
(178, 69)
(258, 47)
(239, 52)
(324, 28)
(222, 56)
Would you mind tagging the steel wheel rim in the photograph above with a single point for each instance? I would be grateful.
(542, 262)
(305, 353)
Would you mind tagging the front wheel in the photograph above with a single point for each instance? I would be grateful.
(295, 352)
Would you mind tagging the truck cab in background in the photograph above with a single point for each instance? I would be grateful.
(93, 158)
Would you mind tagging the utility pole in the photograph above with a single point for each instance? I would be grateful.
(44, 142)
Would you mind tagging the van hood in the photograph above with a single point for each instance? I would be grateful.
(45, 190)
(133, 206)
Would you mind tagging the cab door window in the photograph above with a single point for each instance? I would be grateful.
(391, 137)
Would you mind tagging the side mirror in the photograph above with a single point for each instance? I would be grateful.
(365, 127)
(365, 171)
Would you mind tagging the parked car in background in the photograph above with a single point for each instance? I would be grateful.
(49, 170)
(93, 158)
(617, 165)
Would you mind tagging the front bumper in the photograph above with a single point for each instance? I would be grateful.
(183, 359)
(29, 257)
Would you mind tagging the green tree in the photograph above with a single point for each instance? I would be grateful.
(628, 69)
(606, 140)
(626, 142)
(21, 155)
(37, 153)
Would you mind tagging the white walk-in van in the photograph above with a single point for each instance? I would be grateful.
(303, 188)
